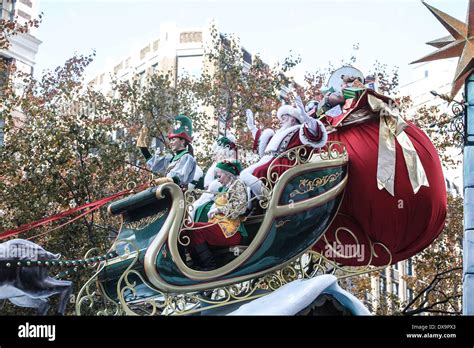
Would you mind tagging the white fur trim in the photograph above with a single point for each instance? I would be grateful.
(252, 182)
(214, 186)
(210, 175)
(198, 173)
(264, 139)
(305, 141)
(279, 136)
(220, 153)
(289, 110)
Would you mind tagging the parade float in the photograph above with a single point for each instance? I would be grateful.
(377, 185)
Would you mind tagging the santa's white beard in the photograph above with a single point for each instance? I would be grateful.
(284, 126)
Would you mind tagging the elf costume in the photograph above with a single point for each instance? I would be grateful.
(225, 226)
(179, 167)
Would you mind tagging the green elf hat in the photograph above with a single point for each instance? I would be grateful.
(233, 167)
(183, 128)
(226, 142)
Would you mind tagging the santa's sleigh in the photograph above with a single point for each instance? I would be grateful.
(300, 206)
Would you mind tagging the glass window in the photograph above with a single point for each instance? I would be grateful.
(470, 119)
(409, 295)
(142, 78)
(246, 56)
(190, 66)
(408, 267)
(470, 91)
(26, 2)
(383, 285)
(395, 288)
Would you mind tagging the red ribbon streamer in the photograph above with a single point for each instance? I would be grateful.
(93, 205)
(64, 224)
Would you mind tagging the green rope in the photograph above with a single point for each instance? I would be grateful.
(57, 263)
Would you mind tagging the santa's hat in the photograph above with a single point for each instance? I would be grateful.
(290, 111)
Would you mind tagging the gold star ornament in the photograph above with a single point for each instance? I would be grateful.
(459, 44)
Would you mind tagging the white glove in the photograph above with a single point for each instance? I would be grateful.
(212, 212)
(251, 122)
(250, 119)
(300, 106)
(311, 122)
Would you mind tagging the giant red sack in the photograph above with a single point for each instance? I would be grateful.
(393, 227)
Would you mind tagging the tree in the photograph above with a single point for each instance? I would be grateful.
(438, 270)
(231, 82)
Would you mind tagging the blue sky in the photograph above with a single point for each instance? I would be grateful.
(393, 32)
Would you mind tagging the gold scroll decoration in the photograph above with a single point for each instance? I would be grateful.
(307, 185)
(146, 221)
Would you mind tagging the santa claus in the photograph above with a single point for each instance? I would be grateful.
(296, 129)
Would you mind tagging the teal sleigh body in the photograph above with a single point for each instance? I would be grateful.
(302, 203)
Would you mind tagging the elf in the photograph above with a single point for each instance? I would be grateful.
(225, 227)
(178, 167)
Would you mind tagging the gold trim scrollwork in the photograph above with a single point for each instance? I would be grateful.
(307, 185)
(145, 222)
(333, 150)
(308, 265)
(345, 271)
(92, 299)
(174, 225)
(297, 155)
(124, 284)
(131, 185)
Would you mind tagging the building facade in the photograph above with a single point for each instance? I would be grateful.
(23, 47)
(176, 52)
(391, 286)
